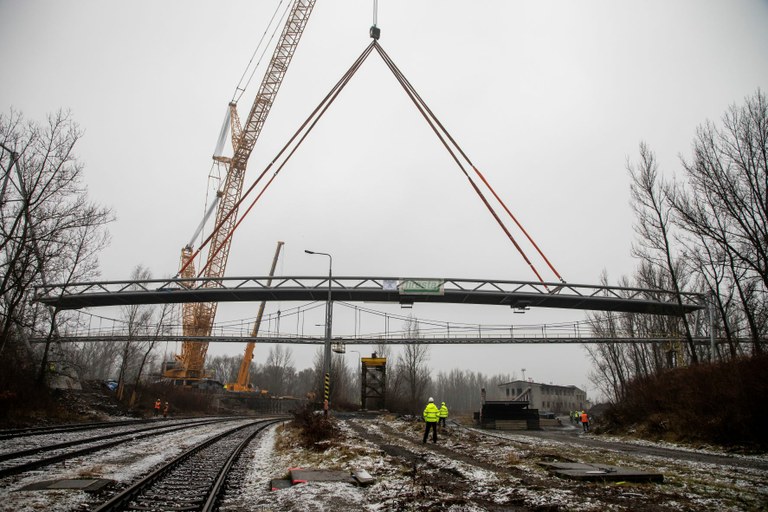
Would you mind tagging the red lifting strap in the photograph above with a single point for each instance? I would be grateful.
(433, 122)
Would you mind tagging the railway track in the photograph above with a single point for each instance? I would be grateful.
(194, 480)
(58, 429)
(13, 463)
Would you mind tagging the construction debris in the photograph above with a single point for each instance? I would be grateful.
(305, 476)
(362, 477)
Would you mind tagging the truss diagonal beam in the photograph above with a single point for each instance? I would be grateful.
(519, 295)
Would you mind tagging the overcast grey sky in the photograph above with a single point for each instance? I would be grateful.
(548, 99)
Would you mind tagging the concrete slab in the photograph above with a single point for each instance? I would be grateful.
(79, 484)
(280, 483)
(362, 477)
(600, 472)
(300, 476)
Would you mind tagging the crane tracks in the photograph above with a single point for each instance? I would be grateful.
(192, 481)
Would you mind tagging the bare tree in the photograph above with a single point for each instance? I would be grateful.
(145, 324)
(341, 378)
(302, 384)
(412, 366)
(723, 207)
(137, 319)
(616, 365)
(654, 226)
(226, 368)
(706, 232)
(49, 230)
(95, 360)
(279, 369)
(160, 321)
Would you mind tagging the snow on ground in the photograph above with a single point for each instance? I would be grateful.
(703, 483)
(689, 485)
(122, 463)
(467, 470)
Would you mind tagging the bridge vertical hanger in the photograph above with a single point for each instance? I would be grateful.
(375, 31)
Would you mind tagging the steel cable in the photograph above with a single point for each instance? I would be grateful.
(308, 124)
(421, 106)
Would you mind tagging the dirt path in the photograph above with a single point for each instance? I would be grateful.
(574, 437)
(501, 471)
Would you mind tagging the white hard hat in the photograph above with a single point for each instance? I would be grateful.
(431, 399)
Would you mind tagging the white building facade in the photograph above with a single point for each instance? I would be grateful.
(544, 397)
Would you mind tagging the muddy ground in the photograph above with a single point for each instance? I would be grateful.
(469, 469)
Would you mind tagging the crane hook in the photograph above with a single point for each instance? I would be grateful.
(375, 32)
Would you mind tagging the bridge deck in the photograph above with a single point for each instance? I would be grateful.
(514, 294)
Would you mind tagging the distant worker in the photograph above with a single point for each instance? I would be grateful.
(158, 403)
(443, 414)
(585, 421)
(431, 416)
(165, 410)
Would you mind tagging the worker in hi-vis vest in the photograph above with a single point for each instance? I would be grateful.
(431, 415)
(443, 414)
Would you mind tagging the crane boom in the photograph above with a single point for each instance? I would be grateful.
(198, 318)
(244, 375)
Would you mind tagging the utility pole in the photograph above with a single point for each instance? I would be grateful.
(327, 348)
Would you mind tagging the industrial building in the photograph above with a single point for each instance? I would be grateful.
(544, 397)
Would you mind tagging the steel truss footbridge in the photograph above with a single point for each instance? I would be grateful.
(517, 295)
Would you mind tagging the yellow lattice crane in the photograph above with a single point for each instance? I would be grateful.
(198, 318)
(244, 375)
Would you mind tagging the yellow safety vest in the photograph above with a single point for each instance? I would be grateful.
(431, 413)
(443, 411)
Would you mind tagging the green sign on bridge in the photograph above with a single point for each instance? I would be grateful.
(421, 287)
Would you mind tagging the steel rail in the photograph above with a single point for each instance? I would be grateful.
(117, 439)
(66, 444)
(122, 499)
(58, 429)
(217, 489)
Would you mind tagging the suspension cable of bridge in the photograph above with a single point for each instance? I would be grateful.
(443, 135)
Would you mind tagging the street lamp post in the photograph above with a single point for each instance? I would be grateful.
(327, 348)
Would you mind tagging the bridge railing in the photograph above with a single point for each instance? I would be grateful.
(577, 332)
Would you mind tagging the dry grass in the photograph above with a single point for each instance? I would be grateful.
(708, 403)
